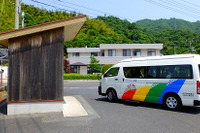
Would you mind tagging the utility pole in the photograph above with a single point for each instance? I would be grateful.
(23, 15)
(17, 11)
(191, 48)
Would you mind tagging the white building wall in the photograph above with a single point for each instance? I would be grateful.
(83, 70)
(84, 54)
(143, 52)
(157, 52)
(69, 55)
(119, 52)
(106, 52)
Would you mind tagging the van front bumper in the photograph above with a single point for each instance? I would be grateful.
(100, 92)
(196, 103)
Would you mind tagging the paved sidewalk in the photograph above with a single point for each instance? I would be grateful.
(49, 122)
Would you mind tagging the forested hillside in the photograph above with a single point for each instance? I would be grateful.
(112, 30)
(130, 30)
(172, 39)
(166, 24)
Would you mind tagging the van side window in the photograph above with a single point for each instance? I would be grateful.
(152, 72)
(167, 72)
(112, 72)
(184, 72)
(176, 72)
(162, 72)
(134, 72)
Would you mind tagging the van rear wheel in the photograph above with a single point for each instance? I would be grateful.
(111, 96)
(172, 102)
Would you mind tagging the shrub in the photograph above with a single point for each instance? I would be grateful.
(83, 77)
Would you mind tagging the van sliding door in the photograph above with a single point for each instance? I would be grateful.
(133, 80)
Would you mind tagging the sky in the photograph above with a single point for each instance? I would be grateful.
(132, 10)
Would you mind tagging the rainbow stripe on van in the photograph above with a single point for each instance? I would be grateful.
(154, 93)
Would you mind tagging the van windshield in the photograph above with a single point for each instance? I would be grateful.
(112, 72)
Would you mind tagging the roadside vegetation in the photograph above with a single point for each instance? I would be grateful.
(68, 76)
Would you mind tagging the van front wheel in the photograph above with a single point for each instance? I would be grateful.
(172, 102)
(111, 96)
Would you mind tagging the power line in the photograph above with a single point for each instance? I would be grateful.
(173, 9)
(95, 10)
(182, 6)
(191, 3)
(81, 6)
(44, 4)
(57, 8)
(173, 5)
(71, 7)
(93, 15)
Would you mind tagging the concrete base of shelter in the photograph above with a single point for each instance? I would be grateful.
(34, 107)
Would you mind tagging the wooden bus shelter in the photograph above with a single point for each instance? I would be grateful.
(35, 79)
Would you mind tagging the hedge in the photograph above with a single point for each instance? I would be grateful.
(83, 77)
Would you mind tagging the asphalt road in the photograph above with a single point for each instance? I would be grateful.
(105, 117)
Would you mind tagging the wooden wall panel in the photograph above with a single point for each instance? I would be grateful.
(36, 66)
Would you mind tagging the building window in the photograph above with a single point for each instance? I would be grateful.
(136, 52)
(111, 52)
(151, 52)
(94, 54)
(102, 53)
(75, 55)
(74, 69)
(126, 52)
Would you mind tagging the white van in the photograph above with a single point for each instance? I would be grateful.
(172, 80)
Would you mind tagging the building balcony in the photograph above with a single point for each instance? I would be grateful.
(102, 59)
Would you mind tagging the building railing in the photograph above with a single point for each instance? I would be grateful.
(102, 59)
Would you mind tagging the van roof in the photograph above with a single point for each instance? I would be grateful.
(162, 57)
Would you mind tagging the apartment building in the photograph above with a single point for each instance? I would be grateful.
(109, 54)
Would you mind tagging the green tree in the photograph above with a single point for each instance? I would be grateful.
(29, 20)
(94, 64)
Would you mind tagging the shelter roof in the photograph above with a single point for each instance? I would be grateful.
(78, 64)
(71, 28)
